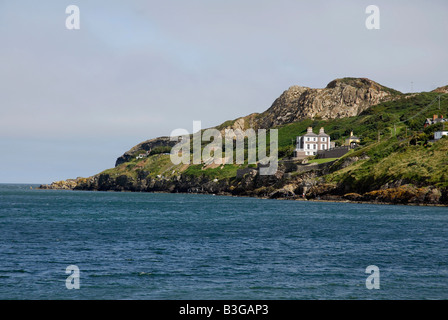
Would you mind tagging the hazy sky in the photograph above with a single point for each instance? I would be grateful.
(72, 101)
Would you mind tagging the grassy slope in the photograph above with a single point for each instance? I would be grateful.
(393, 160)
(160, 164)
(153, 165)
(397, 156)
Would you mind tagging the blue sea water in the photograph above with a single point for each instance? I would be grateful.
(178, 246)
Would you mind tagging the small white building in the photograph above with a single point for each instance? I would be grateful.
(439, 134)
(308, 144)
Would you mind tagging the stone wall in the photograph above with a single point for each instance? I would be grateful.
(332, 153)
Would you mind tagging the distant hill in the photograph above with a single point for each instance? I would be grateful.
(346, 97)
(396, 162)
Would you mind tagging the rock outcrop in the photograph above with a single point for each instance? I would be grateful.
(294, 180)
(443, 89)
(307, 185)
(341, 98)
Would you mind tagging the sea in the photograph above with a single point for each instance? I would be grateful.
(78, 245)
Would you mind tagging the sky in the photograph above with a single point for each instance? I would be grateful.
(72, 101)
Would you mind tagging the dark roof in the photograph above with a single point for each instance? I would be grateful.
(437, 120)
(310, 134)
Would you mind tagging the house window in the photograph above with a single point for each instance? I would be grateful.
(324, 139)
(323, 146)
(314, 146)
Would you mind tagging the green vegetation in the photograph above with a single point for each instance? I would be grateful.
(405, 115)
(394, 146)
(221, 172)
(225, 124)
(159, 150)
(319, 161)
(393, 160)
(152, 166)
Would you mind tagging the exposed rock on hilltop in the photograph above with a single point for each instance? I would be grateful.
(395, 163)
(341, 98)
(441, 90)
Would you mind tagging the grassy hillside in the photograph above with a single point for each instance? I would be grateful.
(392, 160)
(387, 119)
(392, 137)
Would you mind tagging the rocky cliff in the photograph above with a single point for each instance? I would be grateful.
(442, 90)
(393, 165)
(341, 98)
(309, 184)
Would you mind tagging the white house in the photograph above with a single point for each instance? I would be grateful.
(308, 144)
(439, 134)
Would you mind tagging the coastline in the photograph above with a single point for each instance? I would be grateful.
(334, 200)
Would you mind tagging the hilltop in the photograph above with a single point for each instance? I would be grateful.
(341, 98)
(396, 161)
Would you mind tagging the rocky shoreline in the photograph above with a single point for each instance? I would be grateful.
(399, 169)
(308, 185)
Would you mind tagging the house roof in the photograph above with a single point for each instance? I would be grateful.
(310, 134)
(323, 135)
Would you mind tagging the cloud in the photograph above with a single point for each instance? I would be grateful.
(139, 69)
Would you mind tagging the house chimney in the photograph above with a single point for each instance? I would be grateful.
(310, 130)
(351, 133)
(322, 130)
(434, 117)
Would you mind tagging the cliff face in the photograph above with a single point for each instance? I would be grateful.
(309, 184)
(341, 98)
(398, 168)
(441, 90)
(280, 185)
